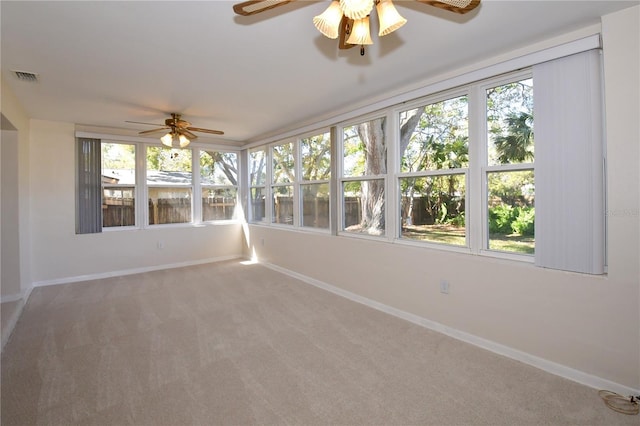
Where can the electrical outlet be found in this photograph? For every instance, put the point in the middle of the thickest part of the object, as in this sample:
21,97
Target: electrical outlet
160,245
444,286
262,242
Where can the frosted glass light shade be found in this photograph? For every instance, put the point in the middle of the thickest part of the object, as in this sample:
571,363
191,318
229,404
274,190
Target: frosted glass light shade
173,140
167,140
328,23
390,19
356,9
360,33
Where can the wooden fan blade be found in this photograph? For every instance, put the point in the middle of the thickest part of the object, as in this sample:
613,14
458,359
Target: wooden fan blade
346,25
252,7
188,134
458,6
213,132
140,122
160,129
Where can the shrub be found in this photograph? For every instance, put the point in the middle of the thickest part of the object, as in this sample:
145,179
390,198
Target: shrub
500,218
524,222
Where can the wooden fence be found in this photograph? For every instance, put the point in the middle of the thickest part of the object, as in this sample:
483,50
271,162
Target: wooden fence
121,211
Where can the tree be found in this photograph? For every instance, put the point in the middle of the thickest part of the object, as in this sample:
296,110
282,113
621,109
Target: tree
516,146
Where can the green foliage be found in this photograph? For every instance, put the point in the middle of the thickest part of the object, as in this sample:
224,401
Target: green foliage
505,219
524,222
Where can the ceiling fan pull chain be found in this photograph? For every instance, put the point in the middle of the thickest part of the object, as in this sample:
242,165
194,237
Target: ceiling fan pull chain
362,50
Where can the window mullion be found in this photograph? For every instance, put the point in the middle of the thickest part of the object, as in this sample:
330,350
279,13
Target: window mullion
142,192
476,181
196,198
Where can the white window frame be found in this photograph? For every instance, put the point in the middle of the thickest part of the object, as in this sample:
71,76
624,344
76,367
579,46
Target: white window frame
205,186
398,174
341,179
300,182
136,189
482,162
265,188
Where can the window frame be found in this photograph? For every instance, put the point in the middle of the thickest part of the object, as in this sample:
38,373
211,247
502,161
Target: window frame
398,174
206,186
485,169
341,179
136,189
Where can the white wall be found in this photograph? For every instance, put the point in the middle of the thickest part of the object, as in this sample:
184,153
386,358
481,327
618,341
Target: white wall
59,254
10,259
586,323
18,281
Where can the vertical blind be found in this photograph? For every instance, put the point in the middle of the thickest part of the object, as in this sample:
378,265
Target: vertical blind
89,181
569,178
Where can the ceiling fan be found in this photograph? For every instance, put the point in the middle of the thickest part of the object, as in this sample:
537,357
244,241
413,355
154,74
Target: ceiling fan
178,131
348,20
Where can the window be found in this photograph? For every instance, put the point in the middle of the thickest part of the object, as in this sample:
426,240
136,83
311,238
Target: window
315,164
257,178
463,165
509,169
282,179
434,159
219,184
364,169
169,184
118,167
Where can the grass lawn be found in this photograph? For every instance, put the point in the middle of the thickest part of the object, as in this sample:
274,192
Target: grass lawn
447,234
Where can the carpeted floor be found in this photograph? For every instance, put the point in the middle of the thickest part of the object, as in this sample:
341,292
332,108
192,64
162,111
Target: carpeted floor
233,344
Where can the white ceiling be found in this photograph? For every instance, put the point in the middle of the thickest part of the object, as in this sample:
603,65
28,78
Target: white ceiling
102,63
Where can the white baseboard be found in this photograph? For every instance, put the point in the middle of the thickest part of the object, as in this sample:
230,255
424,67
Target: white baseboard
11,322
541,363
132,271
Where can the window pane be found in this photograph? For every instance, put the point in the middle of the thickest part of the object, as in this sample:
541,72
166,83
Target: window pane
315,153
511,211
257,168
169,205
435,136
363,211
315,205
218,203
118,168
118,206
365,149
168,166
510,123
257,204
283,167
433,208
282,204
218,168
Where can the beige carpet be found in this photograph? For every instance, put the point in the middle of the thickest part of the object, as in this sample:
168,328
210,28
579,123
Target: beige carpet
233,344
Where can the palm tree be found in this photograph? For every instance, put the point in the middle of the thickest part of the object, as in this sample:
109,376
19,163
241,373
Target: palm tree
517,145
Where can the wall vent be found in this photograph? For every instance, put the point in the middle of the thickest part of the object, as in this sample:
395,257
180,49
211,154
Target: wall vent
26,76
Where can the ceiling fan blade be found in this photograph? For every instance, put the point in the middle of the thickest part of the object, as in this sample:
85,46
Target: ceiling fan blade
213,132
458,6
252,7
161,129
346,25
187,133
140,122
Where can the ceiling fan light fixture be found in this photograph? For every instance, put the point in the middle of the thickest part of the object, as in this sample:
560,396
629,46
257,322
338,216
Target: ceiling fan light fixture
389,18
356,9
174,140
328,23
360,33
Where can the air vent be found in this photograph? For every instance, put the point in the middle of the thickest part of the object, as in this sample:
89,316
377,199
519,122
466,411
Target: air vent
26,76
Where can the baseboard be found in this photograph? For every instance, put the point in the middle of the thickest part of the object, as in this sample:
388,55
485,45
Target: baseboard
132,271
7,328
541,363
